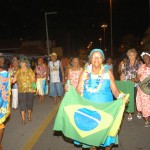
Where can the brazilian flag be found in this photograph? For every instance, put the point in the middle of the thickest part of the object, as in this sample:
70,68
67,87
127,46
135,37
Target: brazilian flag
87,122
127,87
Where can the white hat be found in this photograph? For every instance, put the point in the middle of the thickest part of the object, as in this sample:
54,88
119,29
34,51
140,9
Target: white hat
145,53
53,54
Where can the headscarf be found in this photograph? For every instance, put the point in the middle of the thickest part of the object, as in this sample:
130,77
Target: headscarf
97,50
26,60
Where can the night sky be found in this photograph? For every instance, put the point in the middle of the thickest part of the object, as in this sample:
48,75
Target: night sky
78,21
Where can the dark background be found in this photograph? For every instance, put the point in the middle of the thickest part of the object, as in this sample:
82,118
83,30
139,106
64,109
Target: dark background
78,21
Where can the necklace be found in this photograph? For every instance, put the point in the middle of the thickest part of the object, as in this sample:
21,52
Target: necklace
24,73
88,82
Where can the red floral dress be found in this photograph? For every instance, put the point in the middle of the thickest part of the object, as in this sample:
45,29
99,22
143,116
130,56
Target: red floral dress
74,77
42,88
142,99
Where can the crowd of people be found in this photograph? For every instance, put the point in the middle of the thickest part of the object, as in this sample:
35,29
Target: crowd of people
92,78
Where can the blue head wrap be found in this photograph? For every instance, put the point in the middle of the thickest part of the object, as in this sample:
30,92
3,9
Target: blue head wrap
97,50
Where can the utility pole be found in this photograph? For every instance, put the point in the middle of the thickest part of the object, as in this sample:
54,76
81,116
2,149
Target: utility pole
47,36
111,38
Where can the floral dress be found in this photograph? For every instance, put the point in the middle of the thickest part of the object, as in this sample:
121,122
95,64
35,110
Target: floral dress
42,87
130,72
142,99
74,77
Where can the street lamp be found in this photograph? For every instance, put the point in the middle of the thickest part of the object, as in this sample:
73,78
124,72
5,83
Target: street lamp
104,26
47,42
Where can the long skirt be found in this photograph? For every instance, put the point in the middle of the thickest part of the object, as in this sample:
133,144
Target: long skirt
143,103
14,98
42,87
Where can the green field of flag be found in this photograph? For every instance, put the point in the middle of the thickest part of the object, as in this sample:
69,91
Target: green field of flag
87,122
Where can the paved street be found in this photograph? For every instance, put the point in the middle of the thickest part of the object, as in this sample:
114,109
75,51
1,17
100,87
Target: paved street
39,135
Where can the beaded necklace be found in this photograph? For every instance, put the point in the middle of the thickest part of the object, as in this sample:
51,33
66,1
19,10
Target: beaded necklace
88,82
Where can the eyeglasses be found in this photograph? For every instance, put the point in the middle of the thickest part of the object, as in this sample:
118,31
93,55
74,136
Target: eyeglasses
14,60
96,57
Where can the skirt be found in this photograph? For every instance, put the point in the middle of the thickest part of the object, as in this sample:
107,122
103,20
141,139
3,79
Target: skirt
42,87
14,98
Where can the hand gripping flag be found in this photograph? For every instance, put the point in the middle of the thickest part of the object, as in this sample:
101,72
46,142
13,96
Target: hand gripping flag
87,122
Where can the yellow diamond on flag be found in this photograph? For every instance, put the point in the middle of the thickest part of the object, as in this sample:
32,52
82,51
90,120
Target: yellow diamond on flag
87,120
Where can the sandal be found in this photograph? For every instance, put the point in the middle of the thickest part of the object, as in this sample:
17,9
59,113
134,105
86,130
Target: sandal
130,118
139,116
1,148
23,122
29,120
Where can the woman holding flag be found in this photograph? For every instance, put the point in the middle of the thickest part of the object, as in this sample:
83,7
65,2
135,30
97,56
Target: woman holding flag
97,86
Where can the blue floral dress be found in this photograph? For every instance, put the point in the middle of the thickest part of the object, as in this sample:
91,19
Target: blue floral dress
96,88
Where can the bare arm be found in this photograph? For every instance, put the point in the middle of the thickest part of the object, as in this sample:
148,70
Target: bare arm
62,71
80,82
32,76
47,74
122,76
68,74
119,67
137,79
113,86
14,79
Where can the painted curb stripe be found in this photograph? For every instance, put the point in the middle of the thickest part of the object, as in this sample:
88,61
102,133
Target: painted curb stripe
36,135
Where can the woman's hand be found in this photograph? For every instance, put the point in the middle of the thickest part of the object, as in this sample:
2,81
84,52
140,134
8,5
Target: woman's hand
126,98
66,87
132,80
122,76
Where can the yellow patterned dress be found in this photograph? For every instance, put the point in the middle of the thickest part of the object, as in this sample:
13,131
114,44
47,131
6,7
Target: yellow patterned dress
24,80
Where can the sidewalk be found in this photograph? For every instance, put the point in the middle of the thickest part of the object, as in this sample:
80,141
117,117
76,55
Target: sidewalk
16,135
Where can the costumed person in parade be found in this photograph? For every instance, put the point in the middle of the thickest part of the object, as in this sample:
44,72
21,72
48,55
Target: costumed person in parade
41,74
74,72
96,87
25,78
56,77
122,64
143,92
129,74
12,70
109,63
4,97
